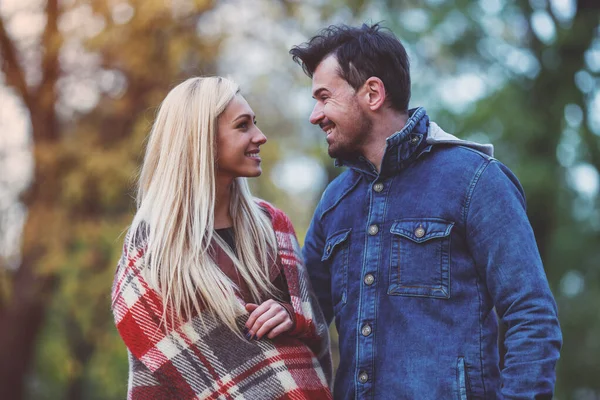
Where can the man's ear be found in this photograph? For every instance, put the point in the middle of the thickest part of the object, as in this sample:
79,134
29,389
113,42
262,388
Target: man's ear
374,93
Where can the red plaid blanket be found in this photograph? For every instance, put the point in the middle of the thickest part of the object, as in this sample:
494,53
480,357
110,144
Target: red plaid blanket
195,361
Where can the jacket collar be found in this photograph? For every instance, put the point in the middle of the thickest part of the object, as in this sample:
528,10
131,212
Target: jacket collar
418,136
401,147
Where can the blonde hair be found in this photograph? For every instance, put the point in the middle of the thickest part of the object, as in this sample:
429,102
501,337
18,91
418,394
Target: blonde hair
176,203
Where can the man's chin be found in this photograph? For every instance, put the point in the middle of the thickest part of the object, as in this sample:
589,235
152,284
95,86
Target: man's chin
334,150
340,153
334,153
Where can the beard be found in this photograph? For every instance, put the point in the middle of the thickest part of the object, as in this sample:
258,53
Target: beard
349,144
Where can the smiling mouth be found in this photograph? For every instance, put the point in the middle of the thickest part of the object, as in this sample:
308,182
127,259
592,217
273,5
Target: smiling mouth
328,129
253,154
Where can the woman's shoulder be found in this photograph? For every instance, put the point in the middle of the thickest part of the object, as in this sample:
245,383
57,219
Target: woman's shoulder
136,239
281,222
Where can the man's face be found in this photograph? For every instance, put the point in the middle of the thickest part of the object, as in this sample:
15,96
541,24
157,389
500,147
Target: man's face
338,111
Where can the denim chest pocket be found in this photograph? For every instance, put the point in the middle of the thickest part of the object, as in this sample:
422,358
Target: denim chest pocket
335,256
420,258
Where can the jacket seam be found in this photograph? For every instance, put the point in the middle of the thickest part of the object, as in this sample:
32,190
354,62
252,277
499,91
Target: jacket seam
483,155
481,353
472,187
469,197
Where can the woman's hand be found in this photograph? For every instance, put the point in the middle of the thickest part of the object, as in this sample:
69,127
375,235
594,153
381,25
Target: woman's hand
270,319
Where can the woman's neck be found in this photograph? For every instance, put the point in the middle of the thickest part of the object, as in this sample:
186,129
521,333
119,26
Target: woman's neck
222,200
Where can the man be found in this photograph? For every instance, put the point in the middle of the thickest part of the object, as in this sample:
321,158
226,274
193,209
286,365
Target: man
415,244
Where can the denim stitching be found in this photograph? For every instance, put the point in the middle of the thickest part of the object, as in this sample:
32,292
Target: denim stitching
337,201
472,187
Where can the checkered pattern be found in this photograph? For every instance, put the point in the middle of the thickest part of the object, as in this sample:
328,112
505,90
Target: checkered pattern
193,360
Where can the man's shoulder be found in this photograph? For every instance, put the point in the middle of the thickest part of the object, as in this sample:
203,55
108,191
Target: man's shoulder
455,160
466,164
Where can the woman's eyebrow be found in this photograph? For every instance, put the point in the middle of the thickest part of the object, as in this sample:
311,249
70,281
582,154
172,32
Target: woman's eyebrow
251,116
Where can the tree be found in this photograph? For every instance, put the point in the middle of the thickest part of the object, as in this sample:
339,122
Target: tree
83,163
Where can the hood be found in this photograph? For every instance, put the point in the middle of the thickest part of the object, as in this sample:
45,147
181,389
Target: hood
437,135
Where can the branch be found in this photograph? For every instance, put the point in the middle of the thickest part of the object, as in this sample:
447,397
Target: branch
3,286
51,42
11,68
592,145
45,123
588,5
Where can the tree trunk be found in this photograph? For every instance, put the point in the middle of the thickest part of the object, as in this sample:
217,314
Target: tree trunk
21,321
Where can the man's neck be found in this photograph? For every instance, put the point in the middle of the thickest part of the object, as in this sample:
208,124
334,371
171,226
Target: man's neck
384,125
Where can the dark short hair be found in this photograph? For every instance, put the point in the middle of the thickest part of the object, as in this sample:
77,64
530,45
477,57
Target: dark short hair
361,53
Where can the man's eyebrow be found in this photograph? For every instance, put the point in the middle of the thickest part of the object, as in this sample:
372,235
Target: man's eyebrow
251,116
317,92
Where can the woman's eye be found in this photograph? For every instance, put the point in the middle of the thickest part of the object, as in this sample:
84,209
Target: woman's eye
243,125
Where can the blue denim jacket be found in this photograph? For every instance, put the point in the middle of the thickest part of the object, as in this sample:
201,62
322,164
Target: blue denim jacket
411,262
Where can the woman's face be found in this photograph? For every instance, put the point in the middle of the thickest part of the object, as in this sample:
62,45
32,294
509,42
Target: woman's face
238,141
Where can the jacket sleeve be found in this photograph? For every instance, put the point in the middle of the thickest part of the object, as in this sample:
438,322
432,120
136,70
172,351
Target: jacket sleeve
320,275
503,245
137,310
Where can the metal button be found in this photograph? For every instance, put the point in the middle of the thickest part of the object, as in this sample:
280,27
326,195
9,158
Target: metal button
369,279
366,330
420,232
378,187
373,229
363,377
328,248
414,140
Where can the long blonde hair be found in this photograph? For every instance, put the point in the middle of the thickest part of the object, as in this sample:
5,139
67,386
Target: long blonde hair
176,203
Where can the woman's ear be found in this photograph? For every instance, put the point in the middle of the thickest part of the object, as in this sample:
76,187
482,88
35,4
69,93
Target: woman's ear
374,94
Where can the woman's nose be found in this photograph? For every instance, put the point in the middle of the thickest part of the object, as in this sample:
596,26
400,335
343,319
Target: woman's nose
259,138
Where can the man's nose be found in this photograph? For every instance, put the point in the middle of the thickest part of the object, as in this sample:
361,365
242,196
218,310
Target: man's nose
317,114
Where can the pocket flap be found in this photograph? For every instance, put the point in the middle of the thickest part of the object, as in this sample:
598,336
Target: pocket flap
334,240
422,229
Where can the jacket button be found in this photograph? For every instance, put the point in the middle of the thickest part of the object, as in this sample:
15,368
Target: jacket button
420,232
328,248
414,140
366,330
369,279
363,377
378,187
373,229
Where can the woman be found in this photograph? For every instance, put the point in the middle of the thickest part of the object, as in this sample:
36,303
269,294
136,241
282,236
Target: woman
210,296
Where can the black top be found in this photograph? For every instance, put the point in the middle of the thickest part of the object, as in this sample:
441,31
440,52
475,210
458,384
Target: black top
228,236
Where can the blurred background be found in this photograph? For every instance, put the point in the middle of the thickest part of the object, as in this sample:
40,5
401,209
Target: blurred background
79,85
